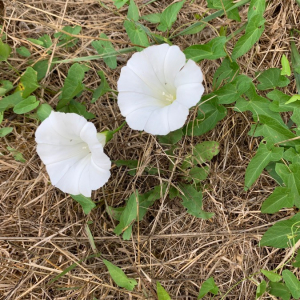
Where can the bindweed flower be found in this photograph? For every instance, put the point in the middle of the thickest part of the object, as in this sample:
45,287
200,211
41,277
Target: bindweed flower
157,87
72,151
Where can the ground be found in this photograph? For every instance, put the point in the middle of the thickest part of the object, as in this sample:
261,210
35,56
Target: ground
43,231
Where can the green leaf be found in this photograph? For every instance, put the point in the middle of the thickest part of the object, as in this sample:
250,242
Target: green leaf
136,34
208,286
172,138
294,98
133,11
212,50
35,41
152,18
272,78
261,288
279,290
225,73
286,69
296,263
205,151
169,16
264,155
129,214
270,168
120,3
161,292
41,67
280,198
26,105
18,156
5,51
85,202
256,8
279,103
272,276
46,40
5,131
106,47
209,114
28,82
5,87
192,201
197,174
225,4
119,276
296,64
44,111
292,283
283,234
131,164
73,84
10,101
67,40
23,51
77,108
115,212
252,34
101,89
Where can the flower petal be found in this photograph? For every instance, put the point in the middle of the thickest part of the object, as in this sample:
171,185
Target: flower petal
174,61
189,94
177,115
158,122
130,101
190,73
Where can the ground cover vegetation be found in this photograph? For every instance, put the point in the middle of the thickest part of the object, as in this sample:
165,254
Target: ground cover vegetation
209,210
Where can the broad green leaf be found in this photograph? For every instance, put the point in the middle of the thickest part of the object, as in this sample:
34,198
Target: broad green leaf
136,34
129,214
294,182
270,168
294,98
131,164
169,16
23,51
192,201
120,3
261,288
252,34
5,51
65,39
35,41
256,8
28,82
209,114
272,276
5,131
296,263
161,292
106,47
44,111
133,11
279,290
205,151
10,101
86,203
119,276
292,283
73,85
5,87
225,4
208,286
225,73
286,69
1,117
101,89
197,174
232,91
115,212
212,50
283,234
279,103
264,155
296,64
18,156
46,40
172,138
41,67
26,105
77,108
280,198
272,78
152,18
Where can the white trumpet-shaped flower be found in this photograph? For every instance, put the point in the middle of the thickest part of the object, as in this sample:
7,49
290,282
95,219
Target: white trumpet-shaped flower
73,153
157,87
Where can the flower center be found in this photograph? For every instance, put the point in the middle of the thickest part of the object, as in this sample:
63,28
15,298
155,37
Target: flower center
168,97
85,147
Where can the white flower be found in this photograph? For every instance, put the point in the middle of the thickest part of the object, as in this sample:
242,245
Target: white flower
73,154
157,87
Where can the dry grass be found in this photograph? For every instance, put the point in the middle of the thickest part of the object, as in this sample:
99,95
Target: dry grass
42,231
